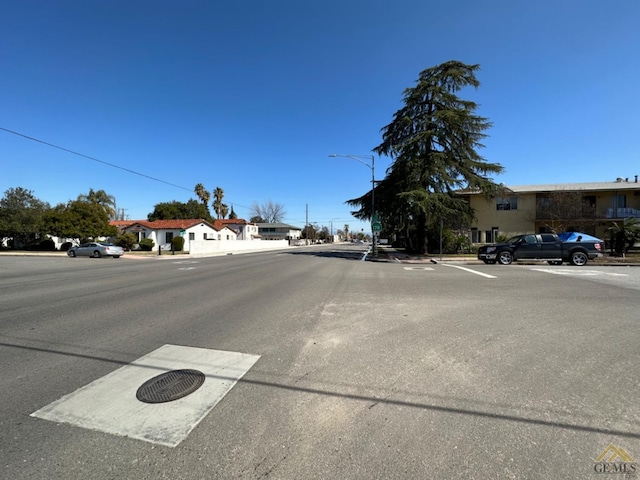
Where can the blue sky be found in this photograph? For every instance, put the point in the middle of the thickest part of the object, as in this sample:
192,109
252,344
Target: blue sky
252,96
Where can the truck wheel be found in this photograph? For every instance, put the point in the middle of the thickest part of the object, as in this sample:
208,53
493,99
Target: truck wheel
505,257
579,259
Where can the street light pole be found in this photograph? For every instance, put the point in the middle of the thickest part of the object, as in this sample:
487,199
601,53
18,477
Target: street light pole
359,158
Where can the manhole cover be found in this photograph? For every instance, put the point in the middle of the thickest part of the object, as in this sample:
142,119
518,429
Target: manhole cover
170,386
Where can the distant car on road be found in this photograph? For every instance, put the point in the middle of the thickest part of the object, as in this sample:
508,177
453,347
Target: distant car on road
96,250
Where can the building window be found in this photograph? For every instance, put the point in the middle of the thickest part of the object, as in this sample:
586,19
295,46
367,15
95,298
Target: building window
507,203
168,237
192,236
228,237
475,235
619,201
204,235
219,237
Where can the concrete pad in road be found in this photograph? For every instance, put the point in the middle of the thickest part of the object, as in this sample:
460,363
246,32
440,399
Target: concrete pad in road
109,404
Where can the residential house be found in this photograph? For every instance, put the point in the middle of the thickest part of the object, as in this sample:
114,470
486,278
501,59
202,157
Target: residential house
587,207
278,231
244,230
163,231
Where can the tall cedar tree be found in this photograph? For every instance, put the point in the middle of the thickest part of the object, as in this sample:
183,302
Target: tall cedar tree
432,141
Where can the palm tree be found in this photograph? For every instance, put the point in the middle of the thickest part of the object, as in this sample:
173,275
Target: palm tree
202,193
218,206
102,198
624,235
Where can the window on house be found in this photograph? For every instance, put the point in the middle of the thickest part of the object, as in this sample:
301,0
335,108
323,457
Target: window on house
494,234
619,201
228,237
192,236
219,237
475,235
168,237
488,235
507,203
204,235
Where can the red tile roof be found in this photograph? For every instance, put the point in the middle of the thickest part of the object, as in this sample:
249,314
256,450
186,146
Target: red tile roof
179,224
164,224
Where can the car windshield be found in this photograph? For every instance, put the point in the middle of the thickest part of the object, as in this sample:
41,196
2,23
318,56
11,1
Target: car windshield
107,244
515,239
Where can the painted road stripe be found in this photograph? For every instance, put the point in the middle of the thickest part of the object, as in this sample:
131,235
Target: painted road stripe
468,270
418,268
578,273
109,404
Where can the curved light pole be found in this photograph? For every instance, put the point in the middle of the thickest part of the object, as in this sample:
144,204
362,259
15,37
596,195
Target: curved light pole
360,158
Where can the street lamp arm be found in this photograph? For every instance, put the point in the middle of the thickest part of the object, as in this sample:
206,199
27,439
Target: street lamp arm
357,158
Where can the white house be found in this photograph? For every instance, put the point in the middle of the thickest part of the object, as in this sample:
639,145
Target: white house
245,230
163,231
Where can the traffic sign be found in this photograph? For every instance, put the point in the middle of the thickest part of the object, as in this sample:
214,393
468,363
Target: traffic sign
376,226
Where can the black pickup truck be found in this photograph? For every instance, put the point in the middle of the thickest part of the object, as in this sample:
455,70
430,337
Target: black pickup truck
572,247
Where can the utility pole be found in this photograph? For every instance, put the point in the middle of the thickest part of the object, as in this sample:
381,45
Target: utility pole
306,225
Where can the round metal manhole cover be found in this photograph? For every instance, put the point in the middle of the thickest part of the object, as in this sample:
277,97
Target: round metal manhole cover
170,386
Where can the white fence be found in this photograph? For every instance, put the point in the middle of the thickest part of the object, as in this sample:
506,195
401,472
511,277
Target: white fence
205,247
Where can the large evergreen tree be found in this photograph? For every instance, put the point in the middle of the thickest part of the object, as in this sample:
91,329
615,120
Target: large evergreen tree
432,141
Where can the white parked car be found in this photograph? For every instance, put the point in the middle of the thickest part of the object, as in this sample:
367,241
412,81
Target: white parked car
96,250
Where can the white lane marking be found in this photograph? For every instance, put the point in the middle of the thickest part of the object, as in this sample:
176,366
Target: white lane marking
578,273
109,404
187,268
418,268
468,270
186,262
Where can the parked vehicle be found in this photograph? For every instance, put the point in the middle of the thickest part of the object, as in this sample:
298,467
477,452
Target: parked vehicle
573,247
96,250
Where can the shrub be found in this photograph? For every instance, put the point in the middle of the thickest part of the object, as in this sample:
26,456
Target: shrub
177,243
147,244
127,241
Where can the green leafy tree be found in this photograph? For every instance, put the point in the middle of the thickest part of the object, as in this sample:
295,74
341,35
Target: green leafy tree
432,141
79,219
178,210
100,197
21,216
232,214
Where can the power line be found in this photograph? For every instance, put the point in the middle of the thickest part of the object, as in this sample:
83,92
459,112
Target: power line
103,162
93,158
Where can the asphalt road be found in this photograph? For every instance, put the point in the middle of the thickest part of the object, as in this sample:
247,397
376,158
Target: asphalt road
362,369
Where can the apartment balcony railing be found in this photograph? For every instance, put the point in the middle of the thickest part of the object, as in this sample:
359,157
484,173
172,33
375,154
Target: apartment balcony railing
545,214
623,213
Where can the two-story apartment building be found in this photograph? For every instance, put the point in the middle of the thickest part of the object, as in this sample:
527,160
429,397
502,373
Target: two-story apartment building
279,231
587,207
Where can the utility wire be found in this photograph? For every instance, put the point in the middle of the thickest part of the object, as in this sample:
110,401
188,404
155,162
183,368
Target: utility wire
94,159
103,162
